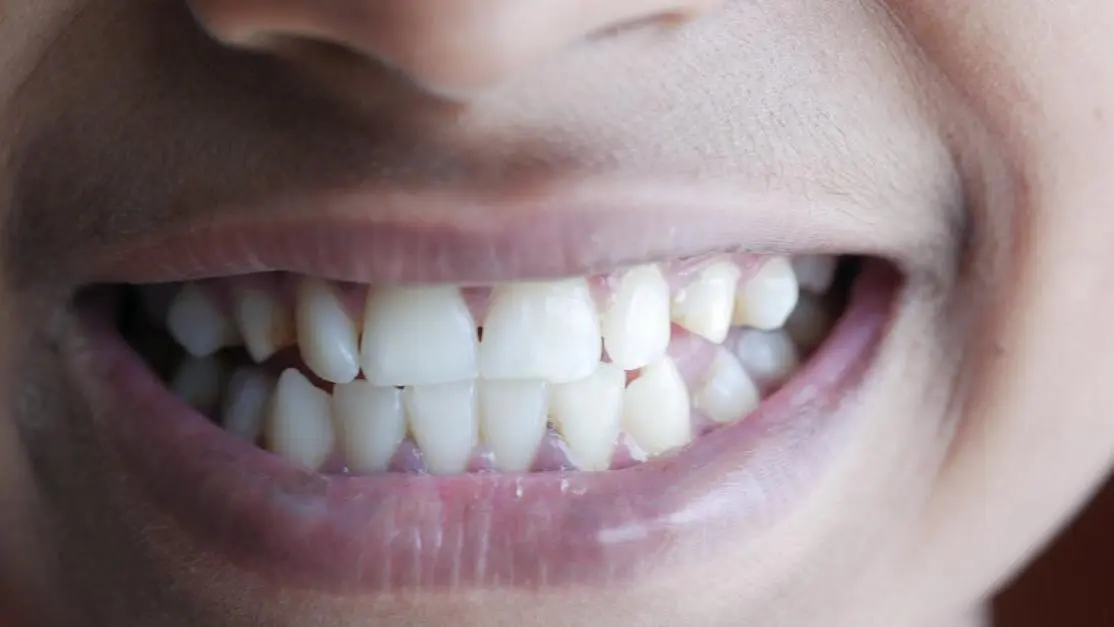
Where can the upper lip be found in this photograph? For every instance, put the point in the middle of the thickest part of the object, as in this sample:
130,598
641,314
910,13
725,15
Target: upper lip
389,236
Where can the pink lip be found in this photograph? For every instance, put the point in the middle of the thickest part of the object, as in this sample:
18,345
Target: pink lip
394,532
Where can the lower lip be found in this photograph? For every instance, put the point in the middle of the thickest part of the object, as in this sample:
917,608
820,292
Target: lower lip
366,534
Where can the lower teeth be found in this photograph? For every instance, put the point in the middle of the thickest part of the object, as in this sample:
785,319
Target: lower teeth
605,417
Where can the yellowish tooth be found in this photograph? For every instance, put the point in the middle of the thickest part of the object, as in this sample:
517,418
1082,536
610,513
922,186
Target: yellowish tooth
636,325
547,331
444,421
587,414
371,424
327,336
266,326
298,425
512,421
727,393
197,324
766,299
656,409
704,306
418,336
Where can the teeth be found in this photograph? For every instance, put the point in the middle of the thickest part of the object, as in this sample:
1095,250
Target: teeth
544,330
767,298
704,307
371,424
196,323
809,324
768,356
815,273
587,414
656,409
513,417
197,382
444,423
245,403
727,393
636,327
265,324
418,336
298,426
327,336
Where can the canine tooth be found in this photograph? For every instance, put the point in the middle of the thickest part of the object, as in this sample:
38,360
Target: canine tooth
444,423
767,298
727,393
635,326
809,323
656,409
327,336
587,414
541,330
198,382
245,403
371,424
196,324
265,324
298,426
768,356
512,421
418,336
704,306
815,273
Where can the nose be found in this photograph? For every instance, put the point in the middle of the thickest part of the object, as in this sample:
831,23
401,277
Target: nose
446,46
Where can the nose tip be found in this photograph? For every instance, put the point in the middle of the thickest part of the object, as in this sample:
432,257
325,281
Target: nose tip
445,46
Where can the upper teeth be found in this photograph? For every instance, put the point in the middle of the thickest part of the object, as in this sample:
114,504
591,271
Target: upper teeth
548,351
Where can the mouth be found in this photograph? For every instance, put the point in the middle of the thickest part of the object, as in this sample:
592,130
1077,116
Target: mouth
572,431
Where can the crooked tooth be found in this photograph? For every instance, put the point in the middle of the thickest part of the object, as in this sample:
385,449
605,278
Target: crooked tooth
198,383
327,336
512,421
197,324
768,356
635,326
444,423
298,426
815,273
541,330
656,409
371,424
726,393
766,299
809,323
245,403
704,306
265,324
587,414
418,336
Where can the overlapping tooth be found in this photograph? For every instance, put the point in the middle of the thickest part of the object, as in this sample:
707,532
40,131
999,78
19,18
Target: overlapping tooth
726,392
815,273
444,421
636,325
198,383
197,324
418,336
809,323
766,299
298,425
656,409
512,421
265,324
587,413
327,335
768,356
370,422
547,331
245,403
704,306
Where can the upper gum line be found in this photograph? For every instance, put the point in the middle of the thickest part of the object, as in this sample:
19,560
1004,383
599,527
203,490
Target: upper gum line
704,304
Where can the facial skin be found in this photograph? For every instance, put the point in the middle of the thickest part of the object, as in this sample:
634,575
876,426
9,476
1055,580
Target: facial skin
970,139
